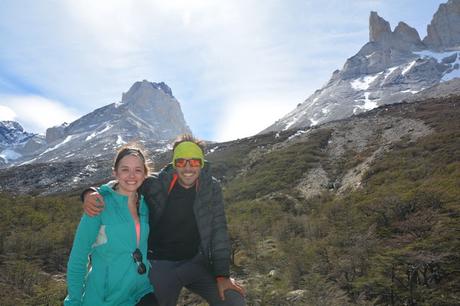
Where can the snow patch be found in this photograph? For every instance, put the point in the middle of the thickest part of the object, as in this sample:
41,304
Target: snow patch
370,55
314,122
390,71
87,170
411,91
94,134
28,162
439,56
368,103
9,154
166,148
90,168
67,139
455,73
298,133
436,55
363,83
451,75
291,122
214,149
408,68
120,141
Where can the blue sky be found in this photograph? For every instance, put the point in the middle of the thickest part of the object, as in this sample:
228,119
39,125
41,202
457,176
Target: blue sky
235,66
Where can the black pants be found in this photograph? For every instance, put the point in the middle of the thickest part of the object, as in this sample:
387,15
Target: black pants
168,278
148,300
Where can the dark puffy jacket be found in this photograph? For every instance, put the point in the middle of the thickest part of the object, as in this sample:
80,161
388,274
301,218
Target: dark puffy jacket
209,213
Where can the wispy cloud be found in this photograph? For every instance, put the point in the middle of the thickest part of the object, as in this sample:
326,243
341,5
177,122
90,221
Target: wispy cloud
6,113
35,113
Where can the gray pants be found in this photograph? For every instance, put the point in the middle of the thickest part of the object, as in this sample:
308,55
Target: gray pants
168,278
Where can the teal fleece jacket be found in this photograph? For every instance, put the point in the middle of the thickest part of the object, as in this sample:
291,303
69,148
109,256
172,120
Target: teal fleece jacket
109,239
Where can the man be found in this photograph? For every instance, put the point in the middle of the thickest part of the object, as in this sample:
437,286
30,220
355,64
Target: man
188,241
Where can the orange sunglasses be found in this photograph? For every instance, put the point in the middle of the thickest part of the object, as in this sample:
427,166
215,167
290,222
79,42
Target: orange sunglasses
182,162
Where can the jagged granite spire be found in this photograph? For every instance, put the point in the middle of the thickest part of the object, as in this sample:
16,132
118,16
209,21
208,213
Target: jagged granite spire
379,28
444,29
403,37
144,87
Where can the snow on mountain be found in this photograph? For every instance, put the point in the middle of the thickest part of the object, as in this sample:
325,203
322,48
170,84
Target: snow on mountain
448,57
9,155
15,142
12,133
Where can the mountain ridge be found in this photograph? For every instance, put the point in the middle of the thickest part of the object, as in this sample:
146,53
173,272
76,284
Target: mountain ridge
390,68
379,129
147,113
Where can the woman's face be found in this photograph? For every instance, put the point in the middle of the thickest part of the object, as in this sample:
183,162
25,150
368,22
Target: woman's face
130,174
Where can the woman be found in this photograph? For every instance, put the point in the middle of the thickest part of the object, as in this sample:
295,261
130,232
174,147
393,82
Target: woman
115,242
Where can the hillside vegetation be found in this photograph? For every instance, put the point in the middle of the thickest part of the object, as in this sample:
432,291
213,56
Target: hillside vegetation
36,235
392,240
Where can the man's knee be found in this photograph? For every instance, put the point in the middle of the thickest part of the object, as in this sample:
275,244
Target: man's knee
234,298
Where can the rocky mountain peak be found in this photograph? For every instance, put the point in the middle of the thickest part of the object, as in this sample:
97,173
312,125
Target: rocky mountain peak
11,132
148,113
444,29
379,28
403,37
11,125
404,32
141,90
392,67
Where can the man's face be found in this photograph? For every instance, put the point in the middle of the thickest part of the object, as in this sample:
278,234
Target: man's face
188,175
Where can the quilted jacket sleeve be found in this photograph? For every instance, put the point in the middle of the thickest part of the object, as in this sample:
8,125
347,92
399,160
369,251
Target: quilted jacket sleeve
220,242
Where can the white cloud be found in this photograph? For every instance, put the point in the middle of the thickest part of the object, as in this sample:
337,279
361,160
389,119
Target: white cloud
36,113
6,113
249,116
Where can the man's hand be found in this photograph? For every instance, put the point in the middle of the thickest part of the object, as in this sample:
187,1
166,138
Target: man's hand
226,283
93,203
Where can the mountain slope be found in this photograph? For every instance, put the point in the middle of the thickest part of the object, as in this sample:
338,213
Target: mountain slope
361,211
